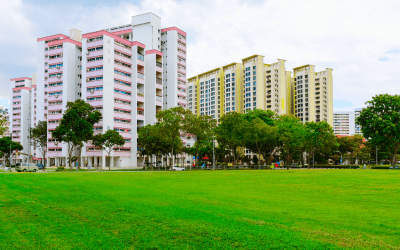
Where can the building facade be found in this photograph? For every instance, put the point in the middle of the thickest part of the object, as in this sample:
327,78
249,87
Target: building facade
252,84
119,71
344,122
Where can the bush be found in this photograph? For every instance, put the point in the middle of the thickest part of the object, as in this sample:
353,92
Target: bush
334,166
59,169
380,166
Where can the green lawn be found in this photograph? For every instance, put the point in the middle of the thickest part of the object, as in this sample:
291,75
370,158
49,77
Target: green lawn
302,209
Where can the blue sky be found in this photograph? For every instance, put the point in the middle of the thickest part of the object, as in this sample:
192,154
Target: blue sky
358,39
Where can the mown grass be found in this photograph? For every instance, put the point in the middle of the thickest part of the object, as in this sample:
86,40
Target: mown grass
301,209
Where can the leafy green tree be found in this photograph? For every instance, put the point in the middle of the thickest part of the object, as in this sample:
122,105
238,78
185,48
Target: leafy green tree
5,143
267,116
202,128
260,137
291,137
3,120
108,141
76,126
173,122
380,122
38,136
230,132
318,135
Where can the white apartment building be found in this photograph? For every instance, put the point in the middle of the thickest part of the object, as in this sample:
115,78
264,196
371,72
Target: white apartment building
344,122
119,71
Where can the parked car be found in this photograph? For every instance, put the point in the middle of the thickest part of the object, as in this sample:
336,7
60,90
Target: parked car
176,168
40,166
294,165
25,167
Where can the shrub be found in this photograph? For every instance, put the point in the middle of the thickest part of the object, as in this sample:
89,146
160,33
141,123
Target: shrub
59,169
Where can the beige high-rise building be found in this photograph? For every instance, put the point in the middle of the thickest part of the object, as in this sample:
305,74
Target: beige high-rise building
252,84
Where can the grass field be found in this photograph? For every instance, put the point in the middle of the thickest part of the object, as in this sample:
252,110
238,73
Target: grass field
302,209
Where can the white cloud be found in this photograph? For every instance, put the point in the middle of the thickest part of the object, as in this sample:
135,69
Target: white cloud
348,36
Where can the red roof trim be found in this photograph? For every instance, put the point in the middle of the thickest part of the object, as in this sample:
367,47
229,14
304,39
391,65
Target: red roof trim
154,51
21,78
52,37
117,38
174,28
14,89
67,40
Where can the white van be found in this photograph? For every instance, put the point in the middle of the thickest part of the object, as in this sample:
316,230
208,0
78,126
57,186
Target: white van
25,167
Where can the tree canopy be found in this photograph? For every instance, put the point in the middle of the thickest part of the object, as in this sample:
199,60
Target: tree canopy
76,126
380,122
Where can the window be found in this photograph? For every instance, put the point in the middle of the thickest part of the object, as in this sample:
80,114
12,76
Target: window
122,92
95,59
95,88
96,48
95,68
97,98
122,73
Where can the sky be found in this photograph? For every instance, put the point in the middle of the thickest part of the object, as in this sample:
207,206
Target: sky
359,39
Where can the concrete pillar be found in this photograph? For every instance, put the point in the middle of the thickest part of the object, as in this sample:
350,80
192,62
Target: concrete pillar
48,162
111,161
89,159
103,162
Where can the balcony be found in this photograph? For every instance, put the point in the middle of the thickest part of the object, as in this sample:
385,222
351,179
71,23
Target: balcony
159,98
140,75
158,80
158,64
140,57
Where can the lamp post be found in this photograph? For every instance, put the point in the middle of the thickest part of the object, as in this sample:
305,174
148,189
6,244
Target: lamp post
29,145
213,154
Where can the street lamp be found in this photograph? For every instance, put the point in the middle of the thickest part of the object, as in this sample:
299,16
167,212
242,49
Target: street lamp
29,145
213,154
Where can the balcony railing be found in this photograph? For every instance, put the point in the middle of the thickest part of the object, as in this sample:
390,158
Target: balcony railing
159,81
140,75
159,98
159,64
140,57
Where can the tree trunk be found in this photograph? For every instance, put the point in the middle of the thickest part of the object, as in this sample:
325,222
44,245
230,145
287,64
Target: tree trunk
394,156
172,155
308,160
79,158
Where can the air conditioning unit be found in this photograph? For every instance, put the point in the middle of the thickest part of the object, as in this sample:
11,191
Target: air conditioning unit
56,96
87,53
92,91
87,80
87,70
58,67
58,77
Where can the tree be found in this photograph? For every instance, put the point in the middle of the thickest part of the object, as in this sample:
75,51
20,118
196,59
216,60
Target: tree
108,141
3,120
230,132
260,137
380,122
267,116
76,126
173,122
202,128
291,137
318,135
38,136
5,143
